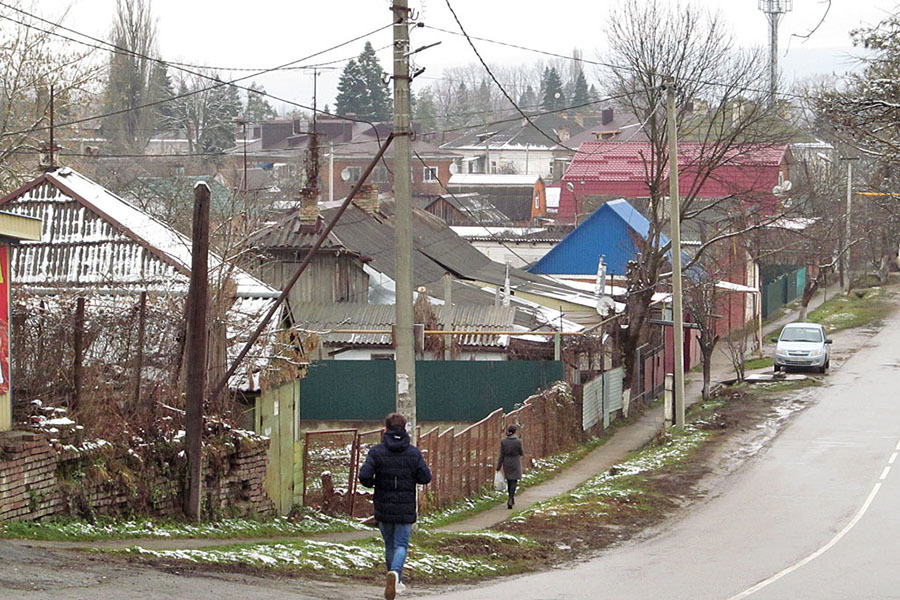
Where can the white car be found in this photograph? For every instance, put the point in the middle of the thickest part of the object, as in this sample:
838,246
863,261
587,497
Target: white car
802,345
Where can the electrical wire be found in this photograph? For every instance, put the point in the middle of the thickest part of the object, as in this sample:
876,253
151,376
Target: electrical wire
219,82
610,65
466,208
497,83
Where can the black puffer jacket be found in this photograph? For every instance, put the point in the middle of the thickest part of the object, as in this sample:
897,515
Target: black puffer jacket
393,468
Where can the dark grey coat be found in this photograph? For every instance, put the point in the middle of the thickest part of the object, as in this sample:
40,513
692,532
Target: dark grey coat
511,457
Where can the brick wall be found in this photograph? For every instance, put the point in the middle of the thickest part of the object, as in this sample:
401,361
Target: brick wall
40,479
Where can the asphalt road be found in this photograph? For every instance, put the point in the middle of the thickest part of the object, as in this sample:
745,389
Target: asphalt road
814,515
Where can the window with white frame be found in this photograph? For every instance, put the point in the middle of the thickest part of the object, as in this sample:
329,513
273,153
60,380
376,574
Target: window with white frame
429,174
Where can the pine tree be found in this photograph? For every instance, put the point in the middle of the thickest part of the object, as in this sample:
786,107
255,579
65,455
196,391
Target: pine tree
528,99
258,108
351,95
425,111
378,98
462,106
553,97
361,90
581,95
483,101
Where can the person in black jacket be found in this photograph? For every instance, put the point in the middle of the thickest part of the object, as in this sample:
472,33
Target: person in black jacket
511,462
393,468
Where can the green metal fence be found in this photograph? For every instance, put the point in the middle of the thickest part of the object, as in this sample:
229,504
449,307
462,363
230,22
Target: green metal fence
460,390
781,285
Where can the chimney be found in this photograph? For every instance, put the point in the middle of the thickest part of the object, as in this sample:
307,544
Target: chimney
309,208
606,116
367,199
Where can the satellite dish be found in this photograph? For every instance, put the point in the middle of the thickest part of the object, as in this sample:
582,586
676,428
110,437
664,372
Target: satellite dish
786,185
454,169
605,305
569,186
345,174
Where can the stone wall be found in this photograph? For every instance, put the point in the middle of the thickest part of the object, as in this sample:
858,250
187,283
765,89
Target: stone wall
40,478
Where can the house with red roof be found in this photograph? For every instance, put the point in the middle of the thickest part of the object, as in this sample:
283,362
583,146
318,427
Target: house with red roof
606,170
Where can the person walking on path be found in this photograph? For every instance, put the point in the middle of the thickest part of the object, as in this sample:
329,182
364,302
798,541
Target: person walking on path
393,468
511,462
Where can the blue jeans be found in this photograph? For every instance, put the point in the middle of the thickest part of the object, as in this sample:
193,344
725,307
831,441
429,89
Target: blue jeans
396,539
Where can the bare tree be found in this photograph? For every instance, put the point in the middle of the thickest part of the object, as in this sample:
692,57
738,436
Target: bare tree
648,43
864,113
31,62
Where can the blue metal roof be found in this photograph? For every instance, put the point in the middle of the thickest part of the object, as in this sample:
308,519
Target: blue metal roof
609,232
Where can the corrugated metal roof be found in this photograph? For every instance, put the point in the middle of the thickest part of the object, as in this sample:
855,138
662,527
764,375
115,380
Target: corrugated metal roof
324,318
91,237
498,179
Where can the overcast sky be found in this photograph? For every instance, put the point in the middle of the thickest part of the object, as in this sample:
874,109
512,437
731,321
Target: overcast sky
269,33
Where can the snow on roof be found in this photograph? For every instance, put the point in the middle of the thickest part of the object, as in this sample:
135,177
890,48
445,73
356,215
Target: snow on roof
553,192
493,179
479,231
796,224
175,245
736,287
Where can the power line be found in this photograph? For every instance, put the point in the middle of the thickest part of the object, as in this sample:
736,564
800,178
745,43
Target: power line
497,83
160,61
611,66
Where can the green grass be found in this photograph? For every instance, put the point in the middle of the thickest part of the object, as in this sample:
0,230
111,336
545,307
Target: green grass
431,556
543,469
625,483
758,363
845,312
788,385
311,522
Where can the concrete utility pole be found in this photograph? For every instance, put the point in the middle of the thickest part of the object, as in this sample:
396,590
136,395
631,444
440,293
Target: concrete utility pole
675,219
775,11
195,352
846,258
406,358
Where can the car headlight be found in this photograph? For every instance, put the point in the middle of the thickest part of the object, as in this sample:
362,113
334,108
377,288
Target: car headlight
781,353
816,353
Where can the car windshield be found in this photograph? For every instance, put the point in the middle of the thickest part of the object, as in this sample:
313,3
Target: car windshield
801,334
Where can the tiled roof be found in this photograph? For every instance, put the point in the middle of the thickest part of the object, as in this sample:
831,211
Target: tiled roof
623,168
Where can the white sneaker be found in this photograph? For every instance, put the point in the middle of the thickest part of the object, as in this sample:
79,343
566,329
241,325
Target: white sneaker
400,587
390,585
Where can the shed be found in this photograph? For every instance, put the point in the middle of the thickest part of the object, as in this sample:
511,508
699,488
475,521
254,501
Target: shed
513,195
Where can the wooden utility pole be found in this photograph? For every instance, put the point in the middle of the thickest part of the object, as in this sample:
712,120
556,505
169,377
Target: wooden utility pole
195,380
406,359
139,354
675,220
77,375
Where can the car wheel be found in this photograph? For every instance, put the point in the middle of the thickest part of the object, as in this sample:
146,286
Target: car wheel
823,368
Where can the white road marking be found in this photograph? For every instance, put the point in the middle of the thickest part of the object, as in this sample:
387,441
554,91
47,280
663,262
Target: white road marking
892,458
826,547
898,446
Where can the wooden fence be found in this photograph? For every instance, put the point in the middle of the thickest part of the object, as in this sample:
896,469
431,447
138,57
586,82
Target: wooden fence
462,463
